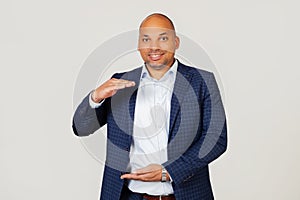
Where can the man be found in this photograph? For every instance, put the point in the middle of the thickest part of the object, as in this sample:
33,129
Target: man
165,123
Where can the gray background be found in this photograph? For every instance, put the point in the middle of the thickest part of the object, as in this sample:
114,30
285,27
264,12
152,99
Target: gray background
254,44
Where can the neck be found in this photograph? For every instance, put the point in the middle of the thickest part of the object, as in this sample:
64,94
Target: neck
157,74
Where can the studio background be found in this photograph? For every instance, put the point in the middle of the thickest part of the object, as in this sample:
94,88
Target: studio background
254,45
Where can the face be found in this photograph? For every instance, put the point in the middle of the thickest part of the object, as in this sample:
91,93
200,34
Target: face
157,45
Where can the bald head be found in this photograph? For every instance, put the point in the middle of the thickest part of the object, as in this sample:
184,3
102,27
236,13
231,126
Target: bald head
157,20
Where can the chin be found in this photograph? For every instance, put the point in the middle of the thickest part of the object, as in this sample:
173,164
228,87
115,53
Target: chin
156,66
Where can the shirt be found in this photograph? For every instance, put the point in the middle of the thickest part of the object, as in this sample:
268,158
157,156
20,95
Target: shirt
151,128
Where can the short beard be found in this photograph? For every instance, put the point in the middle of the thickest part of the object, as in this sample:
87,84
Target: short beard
156,67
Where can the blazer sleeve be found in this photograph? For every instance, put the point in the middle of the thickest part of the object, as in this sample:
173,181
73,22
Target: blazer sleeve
212,141
86,119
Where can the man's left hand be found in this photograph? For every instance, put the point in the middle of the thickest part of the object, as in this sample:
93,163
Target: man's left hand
151,173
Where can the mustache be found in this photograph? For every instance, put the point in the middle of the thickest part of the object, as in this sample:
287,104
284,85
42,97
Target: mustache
157,51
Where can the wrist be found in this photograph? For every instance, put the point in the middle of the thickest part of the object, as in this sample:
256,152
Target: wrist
95,98
164,175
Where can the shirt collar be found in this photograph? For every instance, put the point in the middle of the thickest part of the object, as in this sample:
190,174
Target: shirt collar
171,71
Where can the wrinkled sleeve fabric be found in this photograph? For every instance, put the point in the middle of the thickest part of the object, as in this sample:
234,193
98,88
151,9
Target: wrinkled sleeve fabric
89,117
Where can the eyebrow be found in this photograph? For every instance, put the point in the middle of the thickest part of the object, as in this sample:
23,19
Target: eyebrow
164,33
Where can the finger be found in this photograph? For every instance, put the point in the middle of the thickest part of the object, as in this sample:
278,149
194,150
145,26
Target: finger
142,177
133,176
143,171
123,81
115,87
148,169
130,84
121,86
126,83
130,176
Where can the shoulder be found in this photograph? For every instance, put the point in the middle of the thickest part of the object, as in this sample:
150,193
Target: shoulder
196,72
128,74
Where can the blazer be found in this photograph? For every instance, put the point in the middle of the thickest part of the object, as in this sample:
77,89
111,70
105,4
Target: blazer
197,132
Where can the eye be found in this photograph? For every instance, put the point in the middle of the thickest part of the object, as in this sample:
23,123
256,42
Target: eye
145,39
164,38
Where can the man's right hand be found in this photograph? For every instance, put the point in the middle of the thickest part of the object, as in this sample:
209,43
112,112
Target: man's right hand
109,88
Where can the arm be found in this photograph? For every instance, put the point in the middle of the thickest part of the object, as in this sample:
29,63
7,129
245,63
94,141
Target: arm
212,142
87,118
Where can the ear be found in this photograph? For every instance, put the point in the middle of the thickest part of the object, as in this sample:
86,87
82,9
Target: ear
177,42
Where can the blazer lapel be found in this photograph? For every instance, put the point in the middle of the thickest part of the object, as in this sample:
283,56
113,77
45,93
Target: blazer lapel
182,82
133,76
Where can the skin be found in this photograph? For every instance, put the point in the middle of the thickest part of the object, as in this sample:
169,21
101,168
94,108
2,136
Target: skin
157,44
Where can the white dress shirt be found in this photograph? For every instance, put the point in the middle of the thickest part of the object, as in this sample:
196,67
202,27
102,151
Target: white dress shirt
151,128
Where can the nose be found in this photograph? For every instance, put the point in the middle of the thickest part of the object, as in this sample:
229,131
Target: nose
154,45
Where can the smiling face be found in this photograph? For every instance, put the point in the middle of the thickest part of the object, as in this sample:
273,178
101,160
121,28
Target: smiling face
157,42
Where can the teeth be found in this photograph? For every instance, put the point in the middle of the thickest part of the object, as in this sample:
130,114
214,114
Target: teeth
155,56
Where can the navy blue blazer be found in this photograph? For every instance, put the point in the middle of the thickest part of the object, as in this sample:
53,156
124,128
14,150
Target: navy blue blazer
197,132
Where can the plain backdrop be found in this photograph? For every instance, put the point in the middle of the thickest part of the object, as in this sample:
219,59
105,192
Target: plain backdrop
254,45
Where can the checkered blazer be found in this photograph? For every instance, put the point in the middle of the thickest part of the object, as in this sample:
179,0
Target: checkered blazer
197,132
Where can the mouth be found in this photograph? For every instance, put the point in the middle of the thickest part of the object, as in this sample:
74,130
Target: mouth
155,56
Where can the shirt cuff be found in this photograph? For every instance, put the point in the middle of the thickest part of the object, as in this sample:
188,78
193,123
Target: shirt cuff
171,180
94,104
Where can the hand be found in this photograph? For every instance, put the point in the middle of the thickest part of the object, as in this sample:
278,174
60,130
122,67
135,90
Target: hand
109,88
150,173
